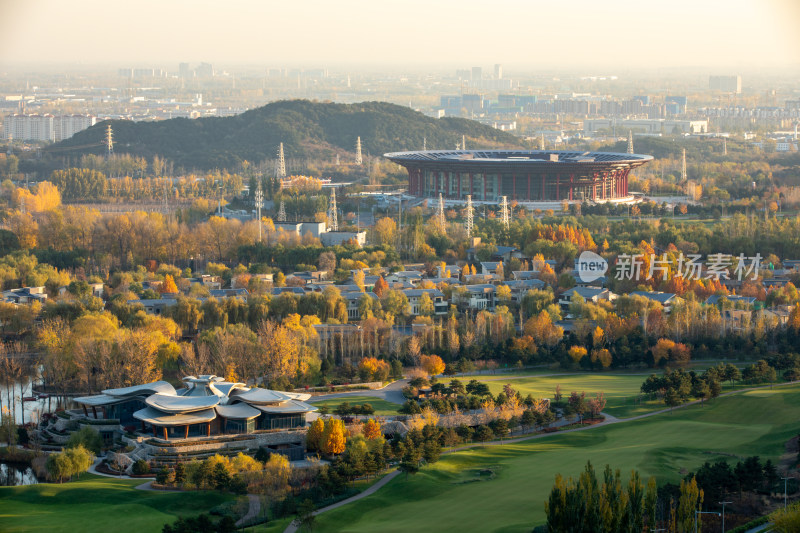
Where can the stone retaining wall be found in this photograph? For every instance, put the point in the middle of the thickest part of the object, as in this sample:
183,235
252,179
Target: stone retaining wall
257,440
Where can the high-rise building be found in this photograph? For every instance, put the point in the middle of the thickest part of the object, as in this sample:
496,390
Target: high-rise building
726,84
65,126
22,127
680,101
472,102
477,73
498,71
205,70
184,71
29,127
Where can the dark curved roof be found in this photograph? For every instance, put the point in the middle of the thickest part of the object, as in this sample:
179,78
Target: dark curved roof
542,159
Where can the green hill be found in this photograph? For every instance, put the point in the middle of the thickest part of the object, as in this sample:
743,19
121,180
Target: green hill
307,130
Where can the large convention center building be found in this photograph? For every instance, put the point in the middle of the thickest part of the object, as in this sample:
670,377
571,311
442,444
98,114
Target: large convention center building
521,175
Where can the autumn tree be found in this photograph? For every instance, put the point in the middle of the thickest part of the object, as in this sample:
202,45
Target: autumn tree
168,287
596,404
372,368
334,437
577,353
426,305
279,350
380,287
385,229
358,279
372,430
315,434
542,329
504,293
433,364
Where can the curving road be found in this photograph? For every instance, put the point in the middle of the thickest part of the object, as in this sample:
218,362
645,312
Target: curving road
391,393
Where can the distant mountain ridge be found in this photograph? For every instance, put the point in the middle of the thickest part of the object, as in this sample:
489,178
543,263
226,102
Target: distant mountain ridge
307,130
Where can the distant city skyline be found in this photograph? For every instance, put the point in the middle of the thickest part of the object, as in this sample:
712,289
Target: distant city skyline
722,35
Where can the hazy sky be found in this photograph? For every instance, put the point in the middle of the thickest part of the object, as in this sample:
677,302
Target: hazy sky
617,34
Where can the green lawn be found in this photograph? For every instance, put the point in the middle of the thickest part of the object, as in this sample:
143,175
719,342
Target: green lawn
451,495
621,390
381,406
97,504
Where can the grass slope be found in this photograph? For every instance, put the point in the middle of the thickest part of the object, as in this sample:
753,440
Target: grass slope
451,495
619,389
381,406
97,504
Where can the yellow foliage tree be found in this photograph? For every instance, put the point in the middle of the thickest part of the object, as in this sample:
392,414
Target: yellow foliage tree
43,198
169,286
602,355
385,229
358,279
598,337
503,293
314,435
333,438
577,353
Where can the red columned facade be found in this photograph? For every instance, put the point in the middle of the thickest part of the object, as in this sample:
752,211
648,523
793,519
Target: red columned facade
525,176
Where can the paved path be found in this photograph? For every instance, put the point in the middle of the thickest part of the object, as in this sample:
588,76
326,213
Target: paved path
255,508
292,528
391,393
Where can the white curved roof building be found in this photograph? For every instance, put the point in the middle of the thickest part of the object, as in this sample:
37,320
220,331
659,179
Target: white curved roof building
206,405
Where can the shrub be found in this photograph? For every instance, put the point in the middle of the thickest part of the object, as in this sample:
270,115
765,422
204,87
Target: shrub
88,438
140,467
483,433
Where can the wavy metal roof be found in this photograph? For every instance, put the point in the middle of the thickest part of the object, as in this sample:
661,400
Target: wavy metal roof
158,418
237,411
259,396
290,407
169,403
98,400
146,388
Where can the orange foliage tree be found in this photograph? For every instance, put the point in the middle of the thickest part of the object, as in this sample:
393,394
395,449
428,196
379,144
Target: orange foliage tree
432,364
372,430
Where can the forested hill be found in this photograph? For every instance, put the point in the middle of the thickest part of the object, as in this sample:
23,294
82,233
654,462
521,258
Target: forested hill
306,129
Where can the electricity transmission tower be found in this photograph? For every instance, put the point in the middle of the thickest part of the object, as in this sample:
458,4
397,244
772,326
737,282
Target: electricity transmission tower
282,212
683,166
259,205
333,218
470,213
440,214
359,160
504,213
280,165
109,141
